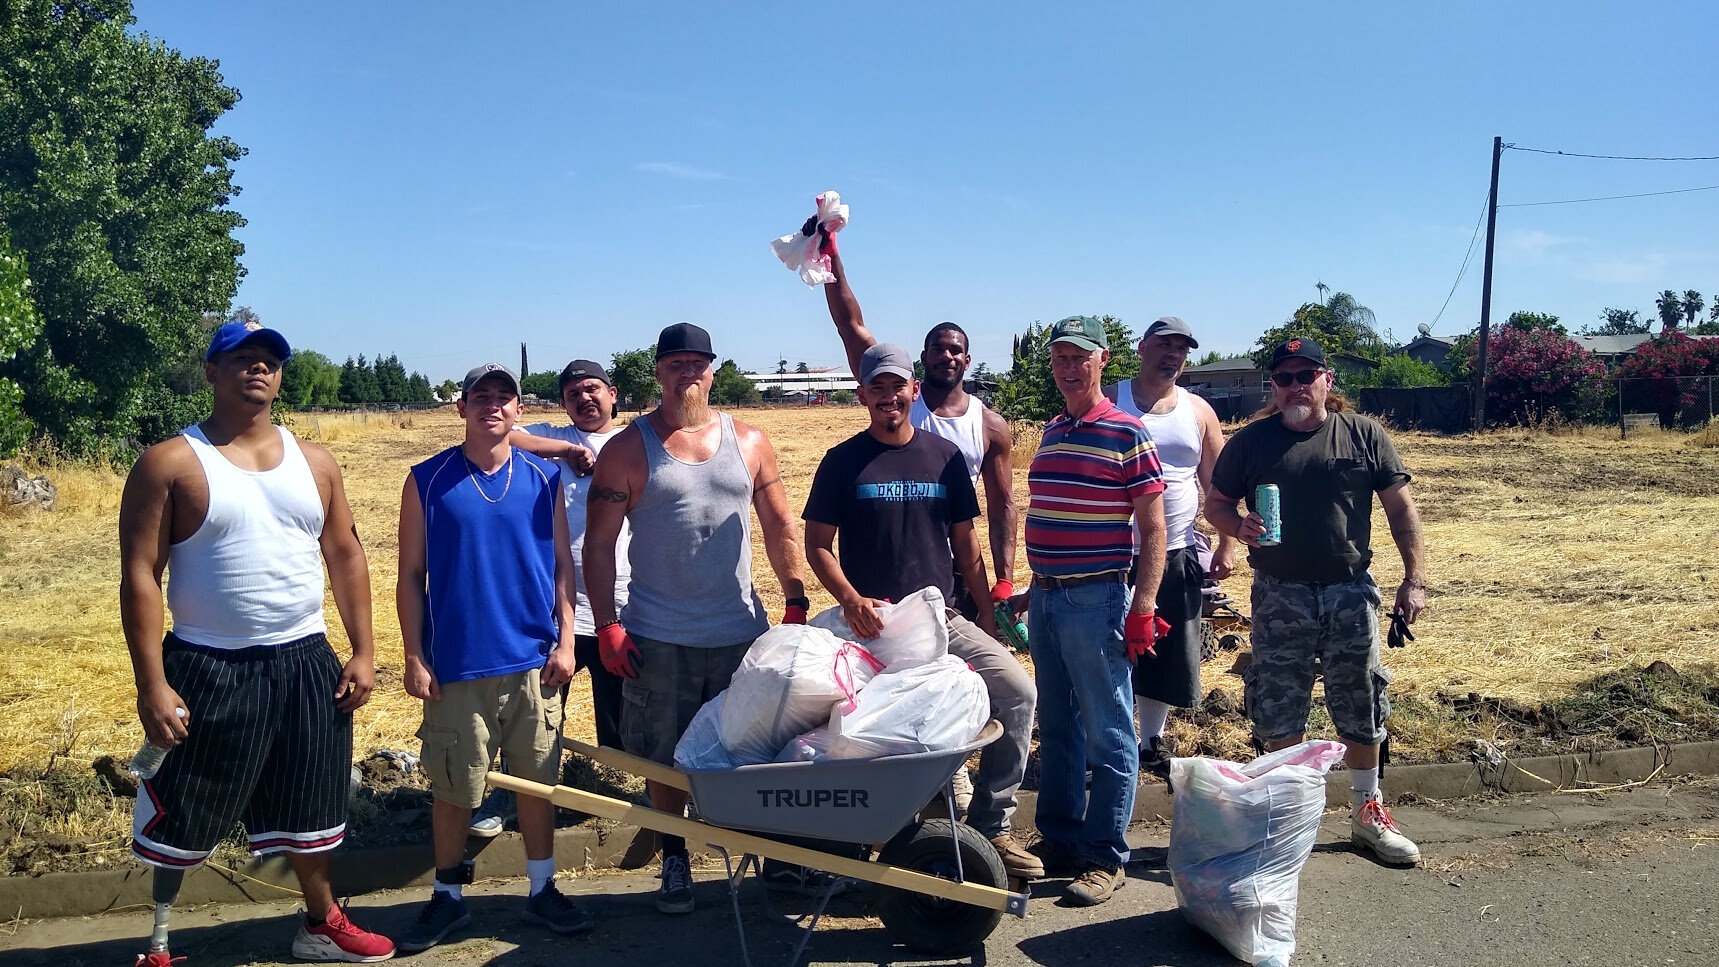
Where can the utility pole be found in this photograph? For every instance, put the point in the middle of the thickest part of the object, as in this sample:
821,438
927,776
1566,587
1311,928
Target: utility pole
1486,292
524,370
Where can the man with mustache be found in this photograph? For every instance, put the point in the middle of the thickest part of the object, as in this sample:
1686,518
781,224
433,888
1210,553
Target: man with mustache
485,599
1188,437
945,409
904,505
1313,597
687,480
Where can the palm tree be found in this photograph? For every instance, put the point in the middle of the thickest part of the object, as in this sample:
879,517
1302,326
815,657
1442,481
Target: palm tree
1670,308
1692,305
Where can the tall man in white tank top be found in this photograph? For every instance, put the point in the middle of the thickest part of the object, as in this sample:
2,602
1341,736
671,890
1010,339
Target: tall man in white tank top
686,480
245,691
945,409
1188,436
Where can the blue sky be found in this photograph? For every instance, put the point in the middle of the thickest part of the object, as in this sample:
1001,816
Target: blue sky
449,183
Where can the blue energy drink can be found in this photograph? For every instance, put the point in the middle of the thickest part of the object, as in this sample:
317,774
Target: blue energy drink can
1267,506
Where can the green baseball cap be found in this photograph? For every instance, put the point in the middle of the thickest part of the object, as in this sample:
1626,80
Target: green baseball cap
1084,331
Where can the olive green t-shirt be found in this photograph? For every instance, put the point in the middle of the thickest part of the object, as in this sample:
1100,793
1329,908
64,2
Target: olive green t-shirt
1326,479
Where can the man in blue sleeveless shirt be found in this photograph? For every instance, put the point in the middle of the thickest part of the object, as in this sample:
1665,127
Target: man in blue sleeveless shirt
686,479
485,598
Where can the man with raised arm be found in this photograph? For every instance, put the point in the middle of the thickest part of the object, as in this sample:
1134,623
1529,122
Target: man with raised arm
686,480
245,691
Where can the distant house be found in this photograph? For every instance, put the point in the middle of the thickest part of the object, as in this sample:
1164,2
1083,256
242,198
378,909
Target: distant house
1613,350
1226,374
817,381
1432,350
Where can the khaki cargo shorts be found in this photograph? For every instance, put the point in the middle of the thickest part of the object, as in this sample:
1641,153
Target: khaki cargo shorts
462,732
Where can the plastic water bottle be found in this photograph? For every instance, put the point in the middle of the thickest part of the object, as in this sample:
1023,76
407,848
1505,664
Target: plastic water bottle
147,762
1013,629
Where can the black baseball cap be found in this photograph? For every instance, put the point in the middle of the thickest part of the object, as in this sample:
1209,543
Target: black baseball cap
1299,347
580,369
1172,326
684,337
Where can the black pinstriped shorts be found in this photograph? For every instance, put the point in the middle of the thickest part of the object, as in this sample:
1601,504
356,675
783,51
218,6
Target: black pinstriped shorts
267,746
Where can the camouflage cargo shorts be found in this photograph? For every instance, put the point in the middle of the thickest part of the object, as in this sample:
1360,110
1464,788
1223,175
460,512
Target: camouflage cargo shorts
1295,623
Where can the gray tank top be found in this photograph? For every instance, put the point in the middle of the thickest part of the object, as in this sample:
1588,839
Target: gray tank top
691,552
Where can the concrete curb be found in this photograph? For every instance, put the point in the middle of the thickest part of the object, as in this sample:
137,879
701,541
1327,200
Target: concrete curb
628,847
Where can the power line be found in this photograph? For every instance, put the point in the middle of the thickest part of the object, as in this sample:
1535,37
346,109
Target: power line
1576,201
1608,157
1465,260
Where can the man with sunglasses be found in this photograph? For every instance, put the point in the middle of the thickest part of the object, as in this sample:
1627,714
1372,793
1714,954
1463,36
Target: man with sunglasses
1188,437
1313,598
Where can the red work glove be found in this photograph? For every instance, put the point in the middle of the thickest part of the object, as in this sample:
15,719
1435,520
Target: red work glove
793,614
1002,591
620,655
1142,632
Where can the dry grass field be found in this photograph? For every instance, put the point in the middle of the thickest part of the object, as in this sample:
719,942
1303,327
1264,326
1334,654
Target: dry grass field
1559,564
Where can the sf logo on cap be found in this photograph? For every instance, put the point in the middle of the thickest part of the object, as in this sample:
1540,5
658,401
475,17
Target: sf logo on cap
1295,345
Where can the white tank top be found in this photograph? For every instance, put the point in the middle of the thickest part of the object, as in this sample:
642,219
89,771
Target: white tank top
966,431
252,573
1177,436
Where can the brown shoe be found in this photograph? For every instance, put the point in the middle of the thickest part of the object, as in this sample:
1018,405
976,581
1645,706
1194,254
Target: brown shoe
1058,859
1095,885
1017,862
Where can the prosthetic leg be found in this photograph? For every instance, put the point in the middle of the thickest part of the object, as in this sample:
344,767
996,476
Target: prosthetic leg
164,891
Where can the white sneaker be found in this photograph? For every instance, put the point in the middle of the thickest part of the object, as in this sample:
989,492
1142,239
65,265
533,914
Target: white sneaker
963,790
1372,828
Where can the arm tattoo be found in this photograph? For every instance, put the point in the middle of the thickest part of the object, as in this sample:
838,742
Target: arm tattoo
766,485
609,494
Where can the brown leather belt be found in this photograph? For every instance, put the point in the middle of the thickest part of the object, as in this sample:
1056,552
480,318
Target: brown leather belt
1048,583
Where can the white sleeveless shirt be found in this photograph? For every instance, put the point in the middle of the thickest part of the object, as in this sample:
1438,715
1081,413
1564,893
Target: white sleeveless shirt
966,431
1177,437
252,573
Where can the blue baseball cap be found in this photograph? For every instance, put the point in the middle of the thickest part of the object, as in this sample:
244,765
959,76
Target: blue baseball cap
238,332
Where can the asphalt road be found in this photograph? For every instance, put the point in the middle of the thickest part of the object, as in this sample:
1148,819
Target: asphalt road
1615,879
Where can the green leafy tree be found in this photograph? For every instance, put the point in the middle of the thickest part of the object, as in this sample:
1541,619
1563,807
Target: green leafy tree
545,385
1398,371
634,374
418,389
1670,306
113,188
1029,393
358,382
1692,305
1340,325
1617,322
1530,321
308,375
20,324
391,380
730,387
802,368
1211,356
447,390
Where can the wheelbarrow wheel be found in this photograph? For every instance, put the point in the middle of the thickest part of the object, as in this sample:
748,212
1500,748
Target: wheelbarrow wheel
931,924
1208,641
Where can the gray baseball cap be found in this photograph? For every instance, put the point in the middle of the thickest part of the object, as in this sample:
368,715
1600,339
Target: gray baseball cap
1172,326
477,374
885,357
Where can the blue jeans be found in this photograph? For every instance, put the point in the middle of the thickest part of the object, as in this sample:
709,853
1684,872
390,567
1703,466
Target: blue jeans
1086,718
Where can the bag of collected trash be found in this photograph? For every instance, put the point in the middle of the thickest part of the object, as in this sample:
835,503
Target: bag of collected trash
1239,836
915,629
787,684
931,706
805,251
700,746
811,747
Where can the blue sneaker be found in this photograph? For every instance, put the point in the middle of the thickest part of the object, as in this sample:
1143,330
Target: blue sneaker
440,917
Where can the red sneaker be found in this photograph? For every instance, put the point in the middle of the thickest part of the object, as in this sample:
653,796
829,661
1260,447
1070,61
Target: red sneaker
158,958
339,939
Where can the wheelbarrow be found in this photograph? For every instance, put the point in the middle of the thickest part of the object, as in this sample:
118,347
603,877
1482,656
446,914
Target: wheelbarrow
943,888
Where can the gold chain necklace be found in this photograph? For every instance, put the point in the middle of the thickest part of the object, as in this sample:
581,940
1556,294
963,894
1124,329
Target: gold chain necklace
471,475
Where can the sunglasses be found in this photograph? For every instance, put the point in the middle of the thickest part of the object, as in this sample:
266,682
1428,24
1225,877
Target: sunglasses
1304,377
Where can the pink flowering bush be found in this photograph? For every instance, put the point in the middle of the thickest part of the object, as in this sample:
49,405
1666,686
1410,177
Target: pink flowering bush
1653,375
1535,373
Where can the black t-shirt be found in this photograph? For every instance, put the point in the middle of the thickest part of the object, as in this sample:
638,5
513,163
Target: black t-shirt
1326,479
893,508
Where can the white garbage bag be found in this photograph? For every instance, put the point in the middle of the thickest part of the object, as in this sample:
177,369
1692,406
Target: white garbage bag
1239,836
789,681
700,746
915,629
811,747
802,251
931,706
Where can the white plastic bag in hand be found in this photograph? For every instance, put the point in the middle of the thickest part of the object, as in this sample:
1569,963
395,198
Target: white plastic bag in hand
915,629
788,683
932,706
1239,836
803,253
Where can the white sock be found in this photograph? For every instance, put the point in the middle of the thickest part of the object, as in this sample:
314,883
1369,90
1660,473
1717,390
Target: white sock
455,890
540,872
1153,717
1363,785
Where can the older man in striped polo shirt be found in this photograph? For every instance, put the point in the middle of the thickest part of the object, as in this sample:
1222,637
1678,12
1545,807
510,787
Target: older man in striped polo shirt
1094,473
